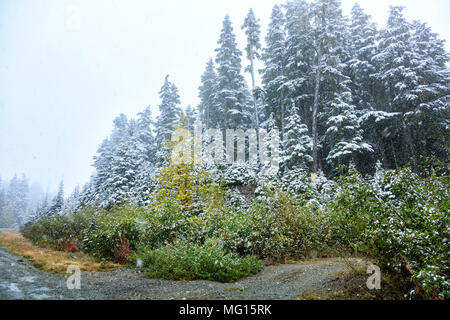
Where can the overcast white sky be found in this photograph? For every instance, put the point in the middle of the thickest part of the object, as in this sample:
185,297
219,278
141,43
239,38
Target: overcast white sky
61,86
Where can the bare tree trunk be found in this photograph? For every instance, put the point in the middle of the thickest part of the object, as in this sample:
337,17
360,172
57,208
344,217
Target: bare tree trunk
383,153
393,153
410,143
252,71
282,117
315,111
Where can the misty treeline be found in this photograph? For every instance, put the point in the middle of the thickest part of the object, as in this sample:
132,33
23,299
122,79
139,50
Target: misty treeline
339,89
20,200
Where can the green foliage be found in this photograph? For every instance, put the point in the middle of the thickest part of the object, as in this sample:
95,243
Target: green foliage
107,229
277,229
399,218
183,260
59,232
403,221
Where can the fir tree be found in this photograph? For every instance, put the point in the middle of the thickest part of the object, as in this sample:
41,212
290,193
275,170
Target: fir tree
430,96
231,90
169,112
208,107
253,48
2,204
397,75
167,119
363,37
273,74
190,115
297,144
300,54
57,202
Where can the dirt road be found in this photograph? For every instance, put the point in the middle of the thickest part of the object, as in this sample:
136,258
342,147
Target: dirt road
20,280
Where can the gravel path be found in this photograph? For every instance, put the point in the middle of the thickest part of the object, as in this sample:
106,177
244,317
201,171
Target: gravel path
20,280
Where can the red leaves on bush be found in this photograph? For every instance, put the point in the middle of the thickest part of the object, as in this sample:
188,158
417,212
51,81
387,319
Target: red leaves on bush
122,251
72,247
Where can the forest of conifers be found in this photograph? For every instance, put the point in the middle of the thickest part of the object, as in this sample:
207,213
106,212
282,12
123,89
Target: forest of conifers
363,118
339,89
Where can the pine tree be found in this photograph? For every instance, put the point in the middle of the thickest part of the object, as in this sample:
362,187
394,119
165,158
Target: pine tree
145,134
57,203
88,195
398,76
2,204
103,162
367,92
208,107
23,200
428,117
273,74
326,27
297,144
300,54
73,202
191,116
17,199
344,134
253,48
12,198
146,168
169,111
42,209
231,90
363,47
167,119
128,155
272,139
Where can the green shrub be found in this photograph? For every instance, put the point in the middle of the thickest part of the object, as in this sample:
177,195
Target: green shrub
106,230
399,218
403,221
60,231
182,260
277,228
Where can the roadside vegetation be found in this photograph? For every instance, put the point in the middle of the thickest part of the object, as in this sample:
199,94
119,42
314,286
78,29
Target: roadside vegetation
193,229
50,260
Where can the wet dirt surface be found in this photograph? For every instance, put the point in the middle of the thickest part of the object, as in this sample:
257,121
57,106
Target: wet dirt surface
20,280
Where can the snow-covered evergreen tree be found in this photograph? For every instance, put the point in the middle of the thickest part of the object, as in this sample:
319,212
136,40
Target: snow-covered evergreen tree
344,135
398,75
273,74
300,54
231,89
57,203
169,111
297,145
253,48
73,202
167,118
41,210
146,161
272,156
208,108
363,35
16,201
2,205
190,115
102,162
430,96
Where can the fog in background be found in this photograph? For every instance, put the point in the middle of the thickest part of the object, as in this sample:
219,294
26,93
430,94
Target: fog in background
62,84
